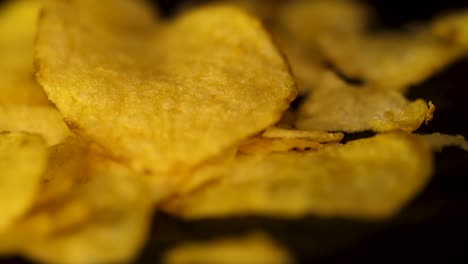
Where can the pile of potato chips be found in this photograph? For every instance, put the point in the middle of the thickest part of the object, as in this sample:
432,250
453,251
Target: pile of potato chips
108,113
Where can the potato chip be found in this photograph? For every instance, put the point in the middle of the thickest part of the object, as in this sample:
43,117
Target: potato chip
162,98
307,65
261,145
23,158
89,210
299,25
305,21
390,60
452,27
364,179
266,10
255,248
18,20
41,119
204,173
335,31
337,106
318,136
439,141
288,119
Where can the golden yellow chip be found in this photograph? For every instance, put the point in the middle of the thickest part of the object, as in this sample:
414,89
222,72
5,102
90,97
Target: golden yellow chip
390,60
18,21
317,136
365,179
162,98
439,141
204,173
266,10
23,159
261,145
41,119
89,210
452,27
255,248
337,106
299,25
306,21
306,64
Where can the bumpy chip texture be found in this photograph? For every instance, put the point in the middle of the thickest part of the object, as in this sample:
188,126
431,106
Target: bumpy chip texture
363,179
23,159
161,97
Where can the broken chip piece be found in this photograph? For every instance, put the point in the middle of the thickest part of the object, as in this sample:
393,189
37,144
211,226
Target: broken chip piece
364,179
23,159
337,106
439,141
152,95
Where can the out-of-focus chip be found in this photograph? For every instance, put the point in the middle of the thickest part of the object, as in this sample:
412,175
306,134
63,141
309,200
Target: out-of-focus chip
307,65
162,98
275,139
452,27
18,21
23,159
266,10
44,120
390,60
300,24
317,136
89,210
439,141
337,106
255,248
365,179
261,145
306,21
182,183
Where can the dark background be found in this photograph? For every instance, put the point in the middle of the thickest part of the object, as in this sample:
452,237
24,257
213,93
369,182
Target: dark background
431,228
